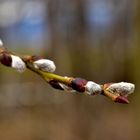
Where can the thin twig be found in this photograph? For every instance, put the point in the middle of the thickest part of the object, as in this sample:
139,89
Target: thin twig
117,92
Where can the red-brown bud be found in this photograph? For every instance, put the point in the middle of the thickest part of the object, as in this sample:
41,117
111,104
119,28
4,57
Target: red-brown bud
78,84
6,59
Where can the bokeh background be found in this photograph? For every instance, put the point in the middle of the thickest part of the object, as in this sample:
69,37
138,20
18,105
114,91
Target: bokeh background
94,39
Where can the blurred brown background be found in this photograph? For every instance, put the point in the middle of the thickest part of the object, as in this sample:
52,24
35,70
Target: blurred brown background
94,39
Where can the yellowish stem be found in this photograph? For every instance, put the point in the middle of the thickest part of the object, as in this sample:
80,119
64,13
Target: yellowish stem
49,76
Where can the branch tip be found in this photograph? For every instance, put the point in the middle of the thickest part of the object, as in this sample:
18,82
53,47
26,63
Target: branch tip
117,92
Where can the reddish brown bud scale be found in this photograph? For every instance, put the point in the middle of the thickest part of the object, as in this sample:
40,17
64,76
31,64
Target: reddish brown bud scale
2,50
122,99
107,85
35,58
78,84
6,59
31,59
55,85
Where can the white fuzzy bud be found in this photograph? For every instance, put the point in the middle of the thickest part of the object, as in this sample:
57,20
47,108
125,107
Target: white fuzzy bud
92,88
18,64
45,65
122,88
1,43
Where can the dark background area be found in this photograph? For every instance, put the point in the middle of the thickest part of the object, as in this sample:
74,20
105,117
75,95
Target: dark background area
94,39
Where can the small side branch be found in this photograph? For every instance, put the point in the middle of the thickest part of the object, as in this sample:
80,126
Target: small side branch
117,92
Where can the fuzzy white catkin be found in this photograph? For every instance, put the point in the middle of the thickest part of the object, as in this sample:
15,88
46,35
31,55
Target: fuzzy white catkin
45,65
1,43
123,88
92,88
18,64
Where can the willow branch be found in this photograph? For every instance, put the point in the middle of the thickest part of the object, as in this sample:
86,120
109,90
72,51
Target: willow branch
117,92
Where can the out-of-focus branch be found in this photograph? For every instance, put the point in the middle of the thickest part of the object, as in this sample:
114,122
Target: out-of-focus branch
117,92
